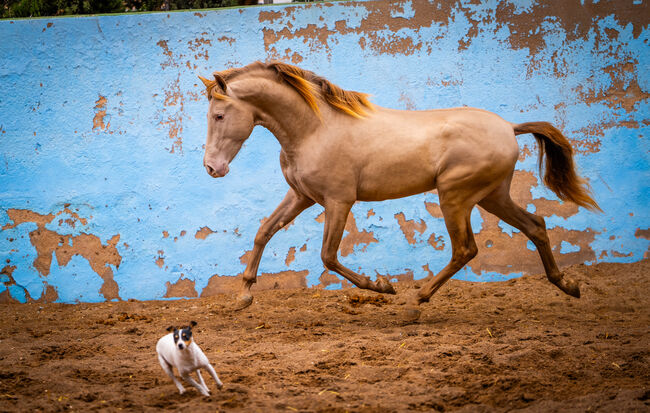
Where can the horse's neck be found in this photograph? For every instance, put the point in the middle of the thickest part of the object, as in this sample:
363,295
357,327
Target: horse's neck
281,110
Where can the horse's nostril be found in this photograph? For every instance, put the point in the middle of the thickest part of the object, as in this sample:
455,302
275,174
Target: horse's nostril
209,169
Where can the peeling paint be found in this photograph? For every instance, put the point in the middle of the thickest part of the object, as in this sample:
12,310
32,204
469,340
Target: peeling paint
105,208
48,243
410,226
282,280
181,288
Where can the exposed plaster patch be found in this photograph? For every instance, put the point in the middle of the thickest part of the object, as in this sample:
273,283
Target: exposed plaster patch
642,233
409,227
49,295
327,278
47,242
291,256
433,209
203,233
438,243
100,113
181,288
230,40
160,260
220,284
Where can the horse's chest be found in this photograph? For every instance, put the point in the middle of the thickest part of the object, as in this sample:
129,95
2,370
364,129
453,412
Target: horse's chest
300,179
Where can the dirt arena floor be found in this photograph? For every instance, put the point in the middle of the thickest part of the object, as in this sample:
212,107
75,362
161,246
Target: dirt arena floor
478,347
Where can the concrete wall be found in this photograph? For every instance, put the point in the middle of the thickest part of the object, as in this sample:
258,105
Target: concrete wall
102,121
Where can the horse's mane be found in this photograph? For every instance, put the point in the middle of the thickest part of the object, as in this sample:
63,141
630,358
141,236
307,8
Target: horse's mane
308,85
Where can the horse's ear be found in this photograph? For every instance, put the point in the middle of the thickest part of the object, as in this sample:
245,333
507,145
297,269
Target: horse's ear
220,81
205,81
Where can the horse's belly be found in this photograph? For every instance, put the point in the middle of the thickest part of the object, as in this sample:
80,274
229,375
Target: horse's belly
394,183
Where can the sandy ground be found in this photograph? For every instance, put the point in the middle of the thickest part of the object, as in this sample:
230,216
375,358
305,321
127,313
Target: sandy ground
520,344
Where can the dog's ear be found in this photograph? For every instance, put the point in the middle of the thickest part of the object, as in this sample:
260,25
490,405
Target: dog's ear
170,328
192,323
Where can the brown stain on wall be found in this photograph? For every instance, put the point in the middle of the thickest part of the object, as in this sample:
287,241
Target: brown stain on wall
49,295
327,278
100,113
437,242
48,242
203,233
642,233
181,288
434,209
409,227
160,260
291,256
219,284
5,297
575,19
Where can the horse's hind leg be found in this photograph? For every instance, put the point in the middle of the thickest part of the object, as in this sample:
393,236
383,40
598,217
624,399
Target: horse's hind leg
500,204
463,248
292,205
336,214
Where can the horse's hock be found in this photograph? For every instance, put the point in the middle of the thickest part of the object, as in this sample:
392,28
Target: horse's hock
104,196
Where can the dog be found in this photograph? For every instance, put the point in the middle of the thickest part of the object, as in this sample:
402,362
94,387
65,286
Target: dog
178,349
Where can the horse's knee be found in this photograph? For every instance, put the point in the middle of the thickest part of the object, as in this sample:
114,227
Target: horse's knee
262,238
329,260
537,231
463,254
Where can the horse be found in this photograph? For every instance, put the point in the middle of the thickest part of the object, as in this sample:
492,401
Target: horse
339,148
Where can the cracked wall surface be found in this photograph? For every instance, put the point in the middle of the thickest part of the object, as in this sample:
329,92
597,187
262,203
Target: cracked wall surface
103,195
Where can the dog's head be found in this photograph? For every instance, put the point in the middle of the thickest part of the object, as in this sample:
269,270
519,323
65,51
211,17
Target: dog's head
182,335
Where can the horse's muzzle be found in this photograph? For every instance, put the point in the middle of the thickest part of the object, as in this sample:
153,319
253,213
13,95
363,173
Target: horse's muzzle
217,172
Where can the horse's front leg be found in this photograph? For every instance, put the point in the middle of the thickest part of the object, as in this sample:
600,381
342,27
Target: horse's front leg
336,215
292,205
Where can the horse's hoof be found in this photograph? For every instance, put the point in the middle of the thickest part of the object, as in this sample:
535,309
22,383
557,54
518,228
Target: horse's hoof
384,286
243,301
571,287
568,286
410,314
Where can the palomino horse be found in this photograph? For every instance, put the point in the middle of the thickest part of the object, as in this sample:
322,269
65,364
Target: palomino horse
338,148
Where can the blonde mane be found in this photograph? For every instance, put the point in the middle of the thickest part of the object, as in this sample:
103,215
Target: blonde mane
308,85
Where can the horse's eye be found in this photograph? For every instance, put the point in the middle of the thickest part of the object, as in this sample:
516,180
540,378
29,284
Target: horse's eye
218,116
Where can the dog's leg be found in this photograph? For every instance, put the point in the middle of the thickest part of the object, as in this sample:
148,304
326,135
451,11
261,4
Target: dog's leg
168,369
198,373
193,382
213,373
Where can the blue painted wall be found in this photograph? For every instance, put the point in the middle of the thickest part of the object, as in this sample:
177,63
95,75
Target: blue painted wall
103,194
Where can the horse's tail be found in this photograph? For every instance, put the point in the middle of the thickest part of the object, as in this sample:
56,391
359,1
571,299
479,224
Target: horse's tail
560,175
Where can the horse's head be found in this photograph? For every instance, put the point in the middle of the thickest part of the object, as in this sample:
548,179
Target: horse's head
230,123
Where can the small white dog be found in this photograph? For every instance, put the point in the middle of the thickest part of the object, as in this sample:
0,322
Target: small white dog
178,349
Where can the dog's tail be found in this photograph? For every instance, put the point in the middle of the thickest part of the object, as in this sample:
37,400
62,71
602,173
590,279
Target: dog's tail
560,175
